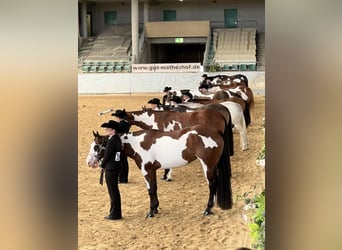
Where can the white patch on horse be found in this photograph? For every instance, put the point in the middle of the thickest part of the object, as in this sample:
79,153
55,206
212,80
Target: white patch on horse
166,150
147,119
171,126
147,183
239,91
215,80
204,167
238,120
91,158
237,80
208,142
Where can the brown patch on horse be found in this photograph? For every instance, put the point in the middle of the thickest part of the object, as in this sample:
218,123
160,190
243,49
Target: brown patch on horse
220,95
189,154
224,112
128,151
152,135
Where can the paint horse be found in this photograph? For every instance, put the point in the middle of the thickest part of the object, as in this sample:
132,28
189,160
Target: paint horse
150,149
236,113
228,80
168,121
237,90
219,97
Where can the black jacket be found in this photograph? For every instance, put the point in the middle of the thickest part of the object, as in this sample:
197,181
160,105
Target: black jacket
124,126
112,156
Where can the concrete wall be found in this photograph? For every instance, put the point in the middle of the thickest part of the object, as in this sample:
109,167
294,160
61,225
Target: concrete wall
247,10
154,82
177,29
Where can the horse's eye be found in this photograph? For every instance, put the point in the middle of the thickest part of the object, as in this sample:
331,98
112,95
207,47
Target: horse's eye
96,147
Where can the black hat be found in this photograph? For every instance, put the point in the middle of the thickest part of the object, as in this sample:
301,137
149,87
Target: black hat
184,91
111,124
120,113
176,99
154,101
166,89
204,75
188,94
203,86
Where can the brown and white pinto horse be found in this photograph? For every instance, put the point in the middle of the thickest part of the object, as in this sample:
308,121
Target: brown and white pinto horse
236,114
237,90
170,120
227,80
150,149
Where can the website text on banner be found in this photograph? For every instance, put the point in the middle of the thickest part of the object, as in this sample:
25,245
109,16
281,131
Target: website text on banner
166,67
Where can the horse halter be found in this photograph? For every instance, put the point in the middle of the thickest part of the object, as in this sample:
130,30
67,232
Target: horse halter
100,148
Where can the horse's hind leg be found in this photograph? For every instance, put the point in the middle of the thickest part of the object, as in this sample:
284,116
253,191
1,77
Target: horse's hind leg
212,192
241,127
151,182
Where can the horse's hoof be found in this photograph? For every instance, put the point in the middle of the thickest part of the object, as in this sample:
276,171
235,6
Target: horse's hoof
206,213
149,215
156,211
168,179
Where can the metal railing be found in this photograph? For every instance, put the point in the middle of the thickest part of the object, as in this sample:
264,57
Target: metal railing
240,24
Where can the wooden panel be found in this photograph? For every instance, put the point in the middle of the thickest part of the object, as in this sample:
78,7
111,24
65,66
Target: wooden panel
177,29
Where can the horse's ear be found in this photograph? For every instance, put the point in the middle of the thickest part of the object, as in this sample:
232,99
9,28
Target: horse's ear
97,133
94,133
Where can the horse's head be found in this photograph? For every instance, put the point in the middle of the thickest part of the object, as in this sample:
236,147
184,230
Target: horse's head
91,158
97,149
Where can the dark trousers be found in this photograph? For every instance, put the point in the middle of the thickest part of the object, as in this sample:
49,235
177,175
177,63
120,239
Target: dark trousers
166,171
123,176
114,193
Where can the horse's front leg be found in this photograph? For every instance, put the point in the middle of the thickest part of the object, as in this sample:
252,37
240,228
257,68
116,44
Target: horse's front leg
212,192
151,183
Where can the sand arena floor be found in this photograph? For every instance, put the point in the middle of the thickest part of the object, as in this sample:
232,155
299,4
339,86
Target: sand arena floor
179,224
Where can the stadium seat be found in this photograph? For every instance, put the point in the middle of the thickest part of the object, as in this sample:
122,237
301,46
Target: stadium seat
243,67
126,68
93,69
101,67
251,67
117,68
234,67
225,67
85,67
109,69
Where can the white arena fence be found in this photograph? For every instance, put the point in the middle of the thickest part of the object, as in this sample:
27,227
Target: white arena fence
123,83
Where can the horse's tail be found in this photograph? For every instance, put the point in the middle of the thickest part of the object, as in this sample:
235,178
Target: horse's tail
247,114
228,136
223,172
245,79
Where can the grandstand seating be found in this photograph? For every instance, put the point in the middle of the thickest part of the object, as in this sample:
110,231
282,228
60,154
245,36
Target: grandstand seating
233,49
227,49
108,52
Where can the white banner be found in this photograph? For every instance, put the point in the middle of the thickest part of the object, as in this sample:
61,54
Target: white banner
166,67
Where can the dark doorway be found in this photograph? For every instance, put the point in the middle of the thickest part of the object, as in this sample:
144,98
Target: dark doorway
177,53
90,24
